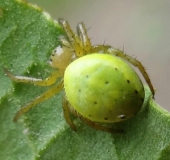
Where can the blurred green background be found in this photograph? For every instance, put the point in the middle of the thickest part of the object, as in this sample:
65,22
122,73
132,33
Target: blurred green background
142,27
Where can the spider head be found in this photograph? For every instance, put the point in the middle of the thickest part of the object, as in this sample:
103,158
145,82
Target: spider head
61,57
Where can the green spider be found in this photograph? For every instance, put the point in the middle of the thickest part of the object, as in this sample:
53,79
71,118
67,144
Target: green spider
100,87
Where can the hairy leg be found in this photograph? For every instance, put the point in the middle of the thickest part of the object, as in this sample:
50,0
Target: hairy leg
133,61
72,38
82,32
51,92
46,82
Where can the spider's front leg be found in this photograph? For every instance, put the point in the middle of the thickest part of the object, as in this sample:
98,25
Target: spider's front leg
46,82
133,61
79,42
51,92
82,32
72,38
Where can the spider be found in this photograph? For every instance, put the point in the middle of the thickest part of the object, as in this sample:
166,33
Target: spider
100,87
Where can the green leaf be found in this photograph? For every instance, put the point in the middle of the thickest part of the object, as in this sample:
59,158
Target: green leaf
27,37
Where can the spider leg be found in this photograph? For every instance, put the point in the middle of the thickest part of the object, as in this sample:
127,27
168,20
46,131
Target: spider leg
81,29
95,125
73,39
66,112
100,49
100,127
134,62
46,82
46,95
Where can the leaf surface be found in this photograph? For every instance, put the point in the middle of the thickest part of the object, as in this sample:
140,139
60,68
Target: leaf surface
27,37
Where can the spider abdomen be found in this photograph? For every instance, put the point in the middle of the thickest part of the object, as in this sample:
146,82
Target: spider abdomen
103,88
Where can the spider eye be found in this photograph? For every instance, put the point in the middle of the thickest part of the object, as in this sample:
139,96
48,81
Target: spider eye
61,57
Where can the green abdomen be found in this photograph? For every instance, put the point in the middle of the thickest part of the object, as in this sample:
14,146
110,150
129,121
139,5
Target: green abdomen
103,88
